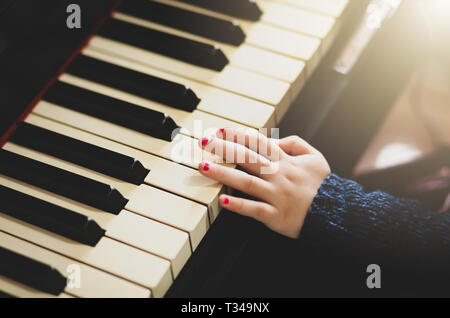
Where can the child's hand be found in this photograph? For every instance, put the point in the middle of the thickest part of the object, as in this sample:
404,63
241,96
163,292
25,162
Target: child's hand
284,174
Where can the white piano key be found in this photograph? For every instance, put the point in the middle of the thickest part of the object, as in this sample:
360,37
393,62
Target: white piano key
129,228
195,124
333,8
213,100
295,19
286,42
263,35
145,200
231,78
108,255
244,56
164,174
326,30
182,149
94,282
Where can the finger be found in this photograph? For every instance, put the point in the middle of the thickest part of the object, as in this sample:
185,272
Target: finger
235,153
260,211
237,179
295,146
253,140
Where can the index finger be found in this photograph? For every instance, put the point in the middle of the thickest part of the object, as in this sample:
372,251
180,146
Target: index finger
253,140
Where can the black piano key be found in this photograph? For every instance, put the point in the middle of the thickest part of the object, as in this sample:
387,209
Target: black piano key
140,84
31,273
194,52
81,153
242,9
53,218
192,22
141,119
62,182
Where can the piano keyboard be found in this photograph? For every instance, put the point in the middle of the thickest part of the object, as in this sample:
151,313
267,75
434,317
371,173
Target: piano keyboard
98,177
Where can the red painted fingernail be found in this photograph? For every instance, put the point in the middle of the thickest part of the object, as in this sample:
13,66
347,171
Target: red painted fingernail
226,201
206,166
204,141
222,130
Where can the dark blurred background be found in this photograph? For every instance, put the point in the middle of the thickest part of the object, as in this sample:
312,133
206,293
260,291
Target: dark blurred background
385,121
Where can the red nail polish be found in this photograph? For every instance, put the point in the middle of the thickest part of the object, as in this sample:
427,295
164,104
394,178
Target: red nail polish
204,141
226,201
222,130
206,166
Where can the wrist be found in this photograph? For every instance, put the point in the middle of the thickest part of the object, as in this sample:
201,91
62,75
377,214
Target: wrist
327,197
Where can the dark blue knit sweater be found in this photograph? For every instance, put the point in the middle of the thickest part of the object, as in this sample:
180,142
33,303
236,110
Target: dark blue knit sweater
343,220
341,209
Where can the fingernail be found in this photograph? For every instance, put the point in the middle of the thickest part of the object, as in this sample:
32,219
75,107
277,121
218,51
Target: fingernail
205,166
205,141
220,133
226,201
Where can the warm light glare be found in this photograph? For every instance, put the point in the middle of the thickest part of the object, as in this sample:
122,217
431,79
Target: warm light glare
438,12
395,154
442,6
437,16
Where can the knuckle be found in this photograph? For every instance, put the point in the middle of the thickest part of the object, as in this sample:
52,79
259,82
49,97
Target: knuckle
239,134
290,138
297,140
239,205
220,173
263,214
250,185
212,146
293,177
241,154
259,213
269,170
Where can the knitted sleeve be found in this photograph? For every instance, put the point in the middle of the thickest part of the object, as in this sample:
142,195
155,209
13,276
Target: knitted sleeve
344,217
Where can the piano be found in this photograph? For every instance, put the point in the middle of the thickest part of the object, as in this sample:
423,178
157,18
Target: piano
100,126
